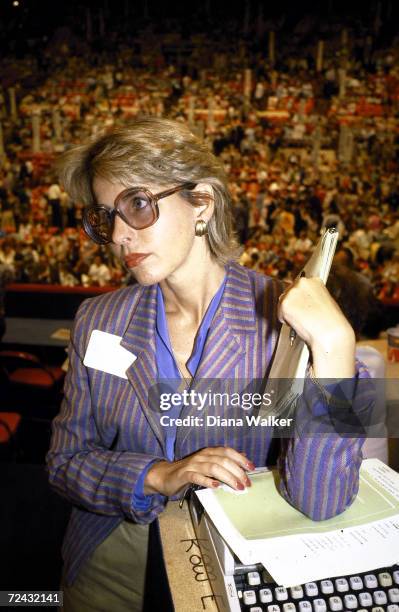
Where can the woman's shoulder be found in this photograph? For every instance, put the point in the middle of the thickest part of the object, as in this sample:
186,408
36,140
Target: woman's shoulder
259,282
111,297
109,311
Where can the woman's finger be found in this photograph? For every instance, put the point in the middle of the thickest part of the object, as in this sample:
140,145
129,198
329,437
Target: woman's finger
223,470
226,452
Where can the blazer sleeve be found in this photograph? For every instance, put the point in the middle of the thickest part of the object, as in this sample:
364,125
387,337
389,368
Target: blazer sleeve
98,479
319,466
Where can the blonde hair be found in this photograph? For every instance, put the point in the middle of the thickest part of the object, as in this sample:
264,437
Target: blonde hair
156,151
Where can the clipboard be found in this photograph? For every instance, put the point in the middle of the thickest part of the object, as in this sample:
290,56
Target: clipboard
290,361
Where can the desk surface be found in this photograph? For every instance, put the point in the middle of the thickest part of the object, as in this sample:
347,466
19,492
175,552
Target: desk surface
36,332
187,577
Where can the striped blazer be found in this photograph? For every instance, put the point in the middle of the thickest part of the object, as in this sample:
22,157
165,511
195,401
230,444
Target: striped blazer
108,429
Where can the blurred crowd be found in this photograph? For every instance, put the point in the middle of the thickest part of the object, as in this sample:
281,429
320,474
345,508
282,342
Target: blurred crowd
306,127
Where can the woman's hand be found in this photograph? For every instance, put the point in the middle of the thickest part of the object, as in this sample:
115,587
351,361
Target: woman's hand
207,467
310,310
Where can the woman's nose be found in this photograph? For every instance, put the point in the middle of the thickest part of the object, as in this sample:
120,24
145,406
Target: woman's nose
121,232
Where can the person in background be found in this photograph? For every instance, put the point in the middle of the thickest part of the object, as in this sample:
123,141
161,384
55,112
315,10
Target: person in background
54,198
99,273
355,300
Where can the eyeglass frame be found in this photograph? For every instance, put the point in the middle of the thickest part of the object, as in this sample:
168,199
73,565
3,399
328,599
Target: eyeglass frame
153,199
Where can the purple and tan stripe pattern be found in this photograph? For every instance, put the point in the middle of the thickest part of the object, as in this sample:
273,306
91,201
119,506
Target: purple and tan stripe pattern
106,433
319,467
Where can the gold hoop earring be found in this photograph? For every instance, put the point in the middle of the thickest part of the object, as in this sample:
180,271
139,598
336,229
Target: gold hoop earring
201,227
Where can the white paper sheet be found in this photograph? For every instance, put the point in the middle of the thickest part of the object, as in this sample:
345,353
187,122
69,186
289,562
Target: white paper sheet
299,558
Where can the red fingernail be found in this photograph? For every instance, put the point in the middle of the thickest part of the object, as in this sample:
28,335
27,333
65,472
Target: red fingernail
240,486
248,482
250,465
215,483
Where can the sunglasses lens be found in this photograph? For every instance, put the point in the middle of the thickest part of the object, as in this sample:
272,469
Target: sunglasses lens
97,223
137,208
134,206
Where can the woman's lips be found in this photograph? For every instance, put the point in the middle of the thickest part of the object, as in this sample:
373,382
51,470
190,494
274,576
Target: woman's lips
134,259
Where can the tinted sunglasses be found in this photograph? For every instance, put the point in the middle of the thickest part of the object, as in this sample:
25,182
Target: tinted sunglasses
136,206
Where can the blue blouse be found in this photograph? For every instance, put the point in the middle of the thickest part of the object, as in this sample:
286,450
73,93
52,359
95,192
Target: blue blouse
168,369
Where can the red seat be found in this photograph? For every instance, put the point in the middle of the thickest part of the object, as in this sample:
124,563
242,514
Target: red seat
9,422
21,368
45,377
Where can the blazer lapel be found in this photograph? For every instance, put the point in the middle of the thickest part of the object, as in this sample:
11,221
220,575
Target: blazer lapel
139,338
225,349
235,317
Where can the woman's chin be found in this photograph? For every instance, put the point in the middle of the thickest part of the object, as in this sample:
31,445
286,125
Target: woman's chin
145,277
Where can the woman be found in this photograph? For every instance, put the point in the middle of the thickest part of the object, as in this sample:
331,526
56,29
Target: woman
157,194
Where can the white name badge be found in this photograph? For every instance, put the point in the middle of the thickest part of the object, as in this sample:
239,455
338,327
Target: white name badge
105,353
